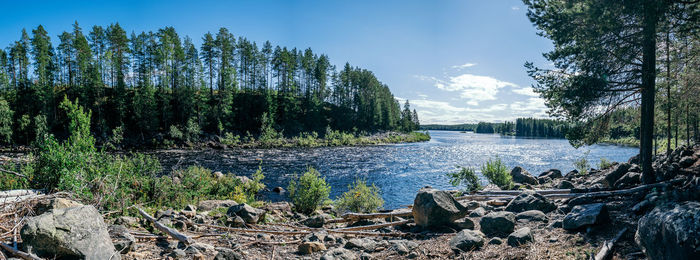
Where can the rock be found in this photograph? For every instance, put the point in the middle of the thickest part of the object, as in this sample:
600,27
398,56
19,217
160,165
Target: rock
227,254
339,254
634,159
463,223
532,215
495,241
520,175
552,174
635,168
190,207
687,161
243,179
365,256
316,237
564,184
529,200
207,205
403,247
614,174
628,180
121,238
278,190
164,214
671,231
364,244
543,180
316,221
555,224
499,223
642,207
472,205
74,232
235,221
307,248
477,213
467,240
218,174
585,215
126,221
520,237
57,203
433,208
249,214
177,254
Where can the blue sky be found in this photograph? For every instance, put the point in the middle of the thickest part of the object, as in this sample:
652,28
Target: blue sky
456,61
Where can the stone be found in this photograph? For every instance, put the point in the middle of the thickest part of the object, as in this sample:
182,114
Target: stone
585,215
628,180
403,247
278,190
316,237
249,214
520,237
467,240
126,221
364,244
227,254
532,215
315,221
520,175
543,180
463,223
365,256
614,174
564,184
218,174
434,208
74,232
529,200
339,254
477,213
121,238
570,175
178,254
57,203
671,231
190,207
235,221
687,161
552,174
499,223
207,205
307,248
495,241
472,205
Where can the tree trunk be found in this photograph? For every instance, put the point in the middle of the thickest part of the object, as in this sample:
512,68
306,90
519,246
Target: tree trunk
648,89
668,92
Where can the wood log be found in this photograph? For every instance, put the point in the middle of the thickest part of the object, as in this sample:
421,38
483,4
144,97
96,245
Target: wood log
376,226
171,232
517,192
359,216
607,247
589,197
17,253
17,193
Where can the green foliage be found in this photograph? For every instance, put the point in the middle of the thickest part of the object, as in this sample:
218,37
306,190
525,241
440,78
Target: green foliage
497,173
308,191
230,139
465,176
604,163
360,198
307,140
582,165
5,121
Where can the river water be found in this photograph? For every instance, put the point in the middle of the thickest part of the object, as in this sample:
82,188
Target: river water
399,170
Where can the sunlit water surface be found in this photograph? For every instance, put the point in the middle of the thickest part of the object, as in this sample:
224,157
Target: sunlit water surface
398,170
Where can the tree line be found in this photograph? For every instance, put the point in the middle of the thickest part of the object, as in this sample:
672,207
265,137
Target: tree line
145,84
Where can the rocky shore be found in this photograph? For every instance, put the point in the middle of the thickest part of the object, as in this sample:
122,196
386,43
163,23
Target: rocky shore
602,214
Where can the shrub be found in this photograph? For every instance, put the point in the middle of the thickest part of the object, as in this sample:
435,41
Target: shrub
604,163
582,165
497,173
360,198
192,130
467,177
5,121
175,133
230,139
308,191
307,139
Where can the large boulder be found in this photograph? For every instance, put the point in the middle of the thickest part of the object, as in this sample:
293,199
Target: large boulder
500,223
520,237
530,200
75,232
614,174
532,215
249,214
585,215
433,208
467,240
552,174
628,180
520,175
671,231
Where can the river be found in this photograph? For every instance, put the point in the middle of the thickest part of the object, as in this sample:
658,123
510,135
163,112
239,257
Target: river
399,170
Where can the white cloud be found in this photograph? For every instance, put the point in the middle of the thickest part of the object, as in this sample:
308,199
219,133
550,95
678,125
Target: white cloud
464,66
527,91
515,8
472,88
533,107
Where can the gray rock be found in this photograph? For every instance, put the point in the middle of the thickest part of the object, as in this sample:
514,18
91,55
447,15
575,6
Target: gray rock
687,161
177,254
316,237
235,221
227,254
520,175
628,180
207,205
472,205
433,208
403,247
477,213
552,174
532,215
74,232
585,215
278,190
467,240
463,223
364,244
495,241
308,248
121,238
671,231
365,256
499,223
54,204
564,184
126,221
339,254
543,180
249,214
529,200
614,174
520,237
316,221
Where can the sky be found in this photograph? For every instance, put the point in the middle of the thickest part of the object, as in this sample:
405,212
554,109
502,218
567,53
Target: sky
455,61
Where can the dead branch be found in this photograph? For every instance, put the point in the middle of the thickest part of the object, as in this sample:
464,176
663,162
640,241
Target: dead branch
14,173
376,226
17,253
358,216
588,197
171,232
607,247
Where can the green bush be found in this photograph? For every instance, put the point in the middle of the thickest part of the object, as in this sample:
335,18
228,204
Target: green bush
360,198
465,176
582,165
308,191
497,173
230,139
604,163
5,121
307,140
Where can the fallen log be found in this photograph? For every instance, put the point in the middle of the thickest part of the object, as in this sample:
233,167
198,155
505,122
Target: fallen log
376,226
171,232
589,197
607,247
359,216
517,192
17,253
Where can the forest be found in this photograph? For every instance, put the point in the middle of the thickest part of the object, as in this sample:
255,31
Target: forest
148,86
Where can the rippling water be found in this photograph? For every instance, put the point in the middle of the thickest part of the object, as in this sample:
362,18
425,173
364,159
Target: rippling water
398,170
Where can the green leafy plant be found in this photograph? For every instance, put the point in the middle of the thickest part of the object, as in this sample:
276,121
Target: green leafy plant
497,173
308,191
465,176
604,163
581,164
360,198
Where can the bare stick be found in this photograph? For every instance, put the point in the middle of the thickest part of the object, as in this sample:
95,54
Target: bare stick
358,216
390,224
171,232
18,253
607,247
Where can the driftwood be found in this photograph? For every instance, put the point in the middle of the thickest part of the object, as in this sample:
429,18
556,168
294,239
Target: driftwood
18,193
17,253
517,192
358,216
607,247
376,226
589,197
171,232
